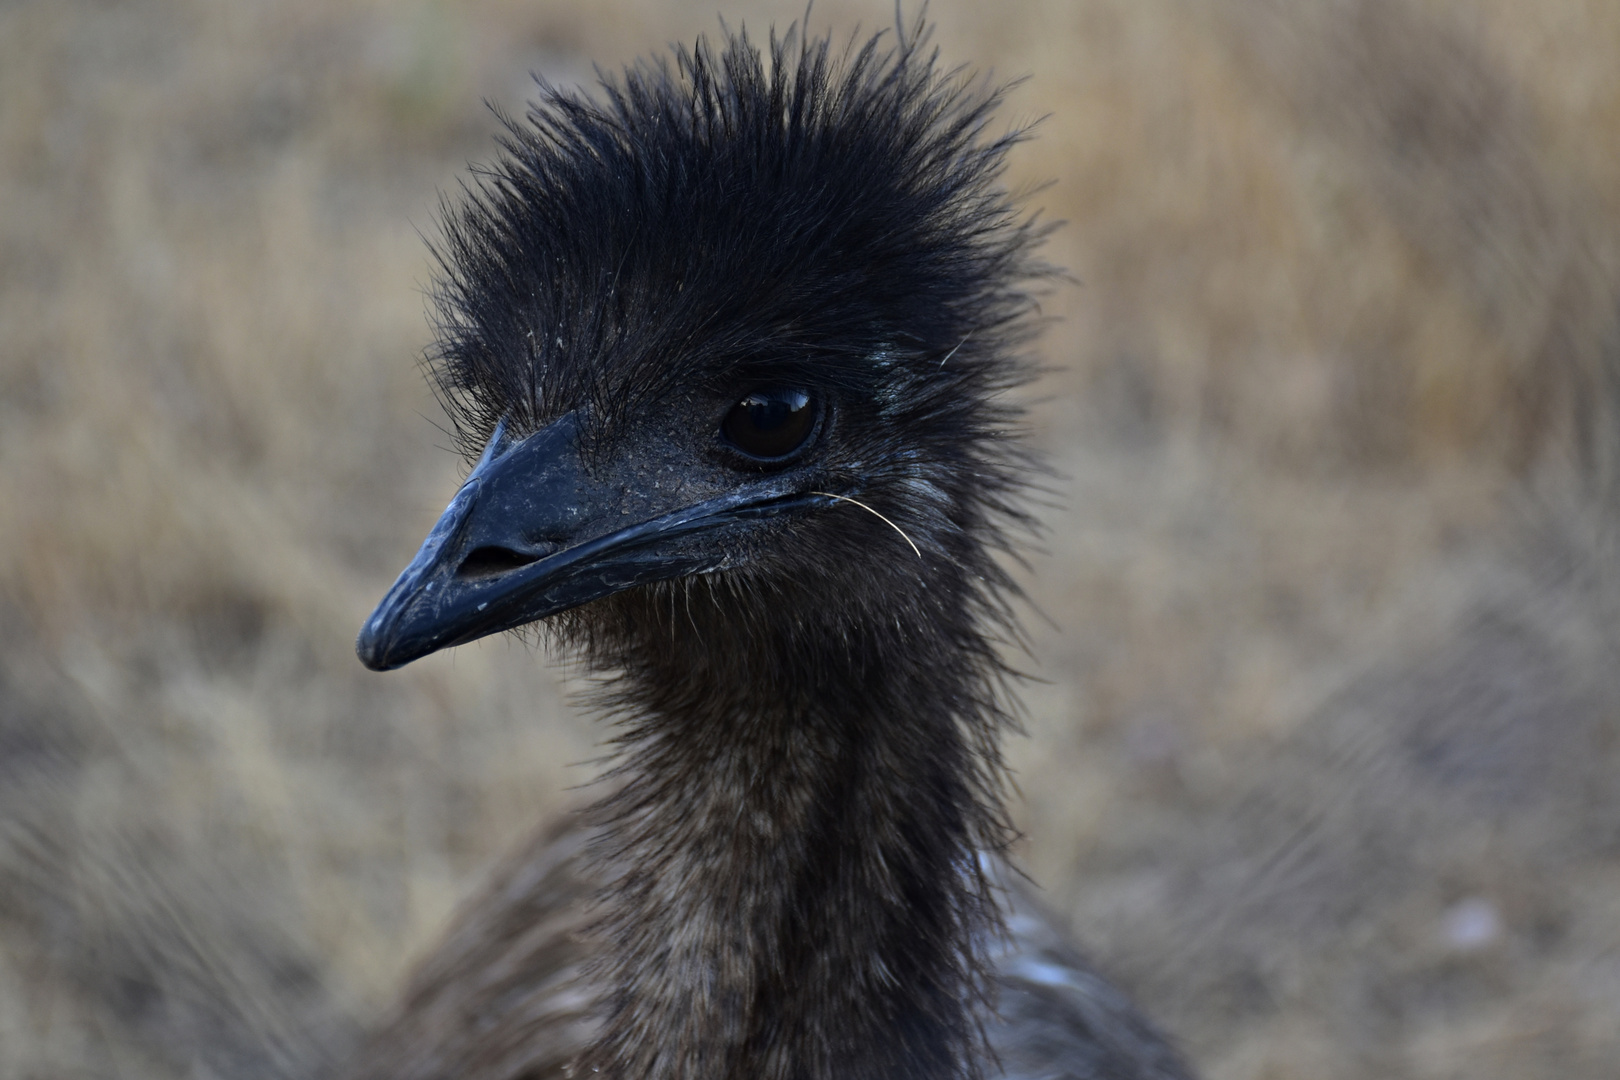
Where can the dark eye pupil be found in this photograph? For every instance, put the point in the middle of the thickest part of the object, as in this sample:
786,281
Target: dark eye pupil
770,424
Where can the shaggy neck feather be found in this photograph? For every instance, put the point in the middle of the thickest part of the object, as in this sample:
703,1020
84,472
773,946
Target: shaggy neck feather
791,851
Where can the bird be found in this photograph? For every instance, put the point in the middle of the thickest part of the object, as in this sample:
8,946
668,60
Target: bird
730,344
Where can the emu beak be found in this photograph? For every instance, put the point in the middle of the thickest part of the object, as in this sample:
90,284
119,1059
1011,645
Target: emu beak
531,533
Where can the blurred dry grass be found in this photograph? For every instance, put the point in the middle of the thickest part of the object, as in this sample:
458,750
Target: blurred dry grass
1324,767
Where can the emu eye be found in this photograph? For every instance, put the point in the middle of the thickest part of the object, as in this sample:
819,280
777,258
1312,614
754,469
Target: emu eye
770,424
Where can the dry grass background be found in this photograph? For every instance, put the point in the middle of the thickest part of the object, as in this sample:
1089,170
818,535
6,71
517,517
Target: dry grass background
1325,765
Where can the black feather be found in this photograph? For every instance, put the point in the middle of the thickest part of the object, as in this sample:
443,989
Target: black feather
807,766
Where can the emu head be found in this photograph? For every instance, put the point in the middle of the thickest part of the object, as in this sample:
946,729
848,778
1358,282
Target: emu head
731,324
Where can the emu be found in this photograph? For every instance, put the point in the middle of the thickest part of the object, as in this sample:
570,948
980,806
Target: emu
729,345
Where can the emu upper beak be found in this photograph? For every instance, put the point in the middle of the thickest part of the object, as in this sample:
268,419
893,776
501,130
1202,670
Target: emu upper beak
531,533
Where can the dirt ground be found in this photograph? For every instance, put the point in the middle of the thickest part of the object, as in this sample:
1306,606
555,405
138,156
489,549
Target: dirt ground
1324,747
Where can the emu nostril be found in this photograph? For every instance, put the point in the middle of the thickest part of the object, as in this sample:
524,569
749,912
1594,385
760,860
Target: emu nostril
486,562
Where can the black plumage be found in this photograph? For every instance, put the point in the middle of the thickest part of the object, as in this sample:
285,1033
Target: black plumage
730,344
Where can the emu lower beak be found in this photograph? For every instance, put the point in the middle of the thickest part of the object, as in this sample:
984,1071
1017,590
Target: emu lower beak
531,534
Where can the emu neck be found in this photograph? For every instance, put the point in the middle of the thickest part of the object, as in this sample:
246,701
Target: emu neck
794,892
